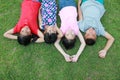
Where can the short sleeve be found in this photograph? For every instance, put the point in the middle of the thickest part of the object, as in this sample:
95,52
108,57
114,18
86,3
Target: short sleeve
101,30
16,29
81,25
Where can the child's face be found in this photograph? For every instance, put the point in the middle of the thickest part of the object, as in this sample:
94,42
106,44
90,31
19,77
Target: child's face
25,31
50,29
70,34
90,34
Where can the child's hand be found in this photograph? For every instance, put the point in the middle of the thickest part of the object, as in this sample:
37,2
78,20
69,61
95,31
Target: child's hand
34,38
67,58
102,53
79,2
74,58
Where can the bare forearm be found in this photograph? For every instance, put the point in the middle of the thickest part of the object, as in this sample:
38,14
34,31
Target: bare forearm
81,49
102,53
82,46
40,19
9,34
11,37
57,45
60,34
79,11
39,40
109,44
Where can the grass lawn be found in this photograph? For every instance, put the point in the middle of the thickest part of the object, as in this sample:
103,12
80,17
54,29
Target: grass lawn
44,62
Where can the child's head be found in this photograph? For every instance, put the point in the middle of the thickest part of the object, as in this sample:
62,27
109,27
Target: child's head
90,36
25,36
24,40
69,39
50,34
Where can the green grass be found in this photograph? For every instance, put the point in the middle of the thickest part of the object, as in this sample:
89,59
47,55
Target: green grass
44,62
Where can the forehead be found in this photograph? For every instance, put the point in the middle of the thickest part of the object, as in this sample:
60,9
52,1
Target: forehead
89,35
24,32
70,36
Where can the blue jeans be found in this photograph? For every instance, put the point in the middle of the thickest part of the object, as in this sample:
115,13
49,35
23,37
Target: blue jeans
101,1
64,3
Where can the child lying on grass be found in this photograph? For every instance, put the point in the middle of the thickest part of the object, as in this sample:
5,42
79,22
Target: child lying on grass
70,29
27,24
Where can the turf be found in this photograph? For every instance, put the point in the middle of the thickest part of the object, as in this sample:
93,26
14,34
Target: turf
44,62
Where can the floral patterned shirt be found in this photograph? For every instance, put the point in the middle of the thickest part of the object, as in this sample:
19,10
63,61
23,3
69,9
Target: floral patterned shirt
49,11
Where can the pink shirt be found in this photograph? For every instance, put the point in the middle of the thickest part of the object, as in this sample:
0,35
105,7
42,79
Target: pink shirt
68,16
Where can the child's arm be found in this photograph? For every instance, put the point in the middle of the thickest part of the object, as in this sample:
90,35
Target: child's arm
81,48
9,34
59,48
79,11
60,34
41,37
102,53
39,18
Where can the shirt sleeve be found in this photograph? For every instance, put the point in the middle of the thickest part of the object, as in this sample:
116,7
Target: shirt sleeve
101,30
16,29
81,25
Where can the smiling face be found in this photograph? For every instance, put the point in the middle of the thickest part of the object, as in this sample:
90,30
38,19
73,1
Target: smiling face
50,34
90,34
25,31
70,34
50,29
69,39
